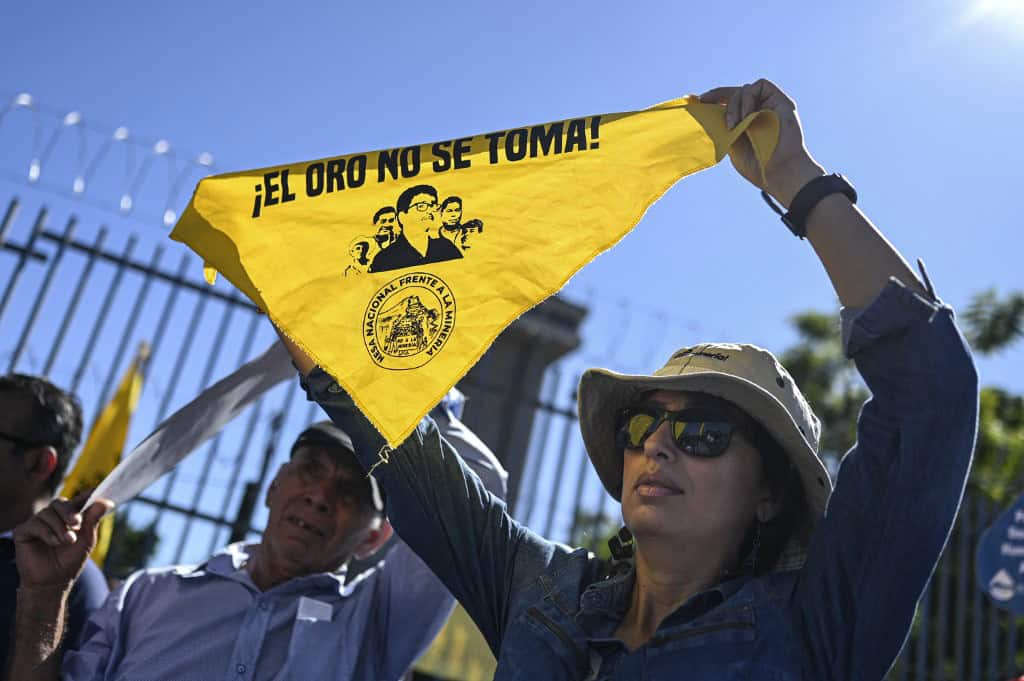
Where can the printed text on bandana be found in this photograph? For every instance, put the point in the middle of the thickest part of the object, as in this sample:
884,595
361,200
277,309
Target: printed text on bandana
352,172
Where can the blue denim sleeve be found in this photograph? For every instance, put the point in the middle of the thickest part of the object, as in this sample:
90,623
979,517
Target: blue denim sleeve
408,585
446,515
898,489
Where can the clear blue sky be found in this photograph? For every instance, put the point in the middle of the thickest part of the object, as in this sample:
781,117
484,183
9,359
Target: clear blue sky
917,103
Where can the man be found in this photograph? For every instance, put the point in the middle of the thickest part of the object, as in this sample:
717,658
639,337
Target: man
384,221
419,240
40,427
281,608
360,251
451,229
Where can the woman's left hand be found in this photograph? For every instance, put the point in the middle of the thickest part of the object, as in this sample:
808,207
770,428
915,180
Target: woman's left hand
791,166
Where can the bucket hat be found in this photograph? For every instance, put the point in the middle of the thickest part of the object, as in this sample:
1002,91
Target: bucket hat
749,377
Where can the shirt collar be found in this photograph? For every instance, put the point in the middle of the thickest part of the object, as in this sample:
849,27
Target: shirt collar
604,603
230,563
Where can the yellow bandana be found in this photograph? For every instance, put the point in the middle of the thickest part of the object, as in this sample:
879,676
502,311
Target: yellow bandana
395,270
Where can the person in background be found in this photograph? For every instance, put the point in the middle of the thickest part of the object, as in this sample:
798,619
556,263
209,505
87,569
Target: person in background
40,428
283,608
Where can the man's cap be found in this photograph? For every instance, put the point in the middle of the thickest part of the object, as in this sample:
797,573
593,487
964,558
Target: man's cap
327,434
745,375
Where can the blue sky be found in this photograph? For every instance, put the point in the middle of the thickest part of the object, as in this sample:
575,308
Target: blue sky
917,103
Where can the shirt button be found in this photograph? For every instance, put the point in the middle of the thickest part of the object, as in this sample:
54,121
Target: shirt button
240,669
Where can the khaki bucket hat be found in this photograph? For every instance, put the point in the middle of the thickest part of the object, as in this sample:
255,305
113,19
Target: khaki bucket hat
747,376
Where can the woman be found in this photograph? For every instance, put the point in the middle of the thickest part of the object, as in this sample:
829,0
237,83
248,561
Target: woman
737,568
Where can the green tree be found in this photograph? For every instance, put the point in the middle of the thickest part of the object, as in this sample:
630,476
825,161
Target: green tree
130,547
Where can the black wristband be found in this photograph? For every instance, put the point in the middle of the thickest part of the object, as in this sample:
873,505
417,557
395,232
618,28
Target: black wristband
808,197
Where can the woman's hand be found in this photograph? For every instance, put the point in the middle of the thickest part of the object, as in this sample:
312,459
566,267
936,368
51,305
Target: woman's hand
791,166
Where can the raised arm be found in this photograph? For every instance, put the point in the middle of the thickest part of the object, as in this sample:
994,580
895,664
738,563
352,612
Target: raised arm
51,548
410,585
441,509
858,258
899,487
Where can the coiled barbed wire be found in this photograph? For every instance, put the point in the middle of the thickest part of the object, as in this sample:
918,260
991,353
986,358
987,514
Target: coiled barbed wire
94,144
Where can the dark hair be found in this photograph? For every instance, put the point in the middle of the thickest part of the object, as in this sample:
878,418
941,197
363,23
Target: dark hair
405,198
56,418
385,209
784,483
451,199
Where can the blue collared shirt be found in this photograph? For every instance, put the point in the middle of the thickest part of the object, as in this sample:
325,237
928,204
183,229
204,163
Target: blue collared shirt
548,613
211,622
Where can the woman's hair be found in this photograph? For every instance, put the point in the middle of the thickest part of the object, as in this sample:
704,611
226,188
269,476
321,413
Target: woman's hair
784,483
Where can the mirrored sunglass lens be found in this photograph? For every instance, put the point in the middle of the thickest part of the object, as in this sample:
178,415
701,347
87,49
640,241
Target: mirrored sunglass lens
636,428
702,438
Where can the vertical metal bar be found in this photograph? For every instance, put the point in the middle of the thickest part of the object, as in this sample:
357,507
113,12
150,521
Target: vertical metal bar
921,640
941,581
513,405
75,299
129,330
962,570
19,268
212,450
44,291
249,432
105,307
994,615
976,610
5,224
994,634
531,468
552,508
158,339
243,519
1010,663
183,351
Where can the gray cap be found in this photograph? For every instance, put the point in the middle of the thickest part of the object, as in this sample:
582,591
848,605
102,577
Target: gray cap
326,433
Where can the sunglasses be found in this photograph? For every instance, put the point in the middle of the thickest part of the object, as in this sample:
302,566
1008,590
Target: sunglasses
696,432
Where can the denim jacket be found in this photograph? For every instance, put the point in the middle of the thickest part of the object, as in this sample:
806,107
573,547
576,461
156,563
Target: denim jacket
548,614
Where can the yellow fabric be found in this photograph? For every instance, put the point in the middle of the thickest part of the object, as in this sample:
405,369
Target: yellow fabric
549,197
459,652
104,446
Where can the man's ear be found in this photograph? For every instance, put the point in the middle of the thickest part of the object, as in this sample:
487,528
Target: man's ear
42,462
374,540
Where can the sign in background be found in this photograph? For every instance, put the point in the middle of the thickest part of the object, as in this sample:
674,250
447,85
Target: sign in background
1000,559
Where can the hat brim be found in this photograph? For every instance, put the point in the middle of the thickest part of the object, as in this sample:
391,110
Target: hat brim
603,394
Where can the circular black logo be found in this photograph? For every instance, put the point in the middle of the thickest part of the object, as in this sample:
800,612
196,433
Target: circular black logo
408,321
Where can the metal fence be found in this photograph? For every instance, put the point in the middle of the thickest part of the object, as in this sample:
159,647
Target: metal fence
76,298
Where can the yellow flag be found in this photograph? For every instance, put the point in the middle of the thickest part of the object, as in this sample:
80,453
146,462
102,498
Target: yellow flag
104,446
395,270
459,651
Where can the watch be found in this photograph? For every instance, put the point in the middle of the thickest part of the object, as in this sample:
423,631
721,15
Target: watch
808,197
